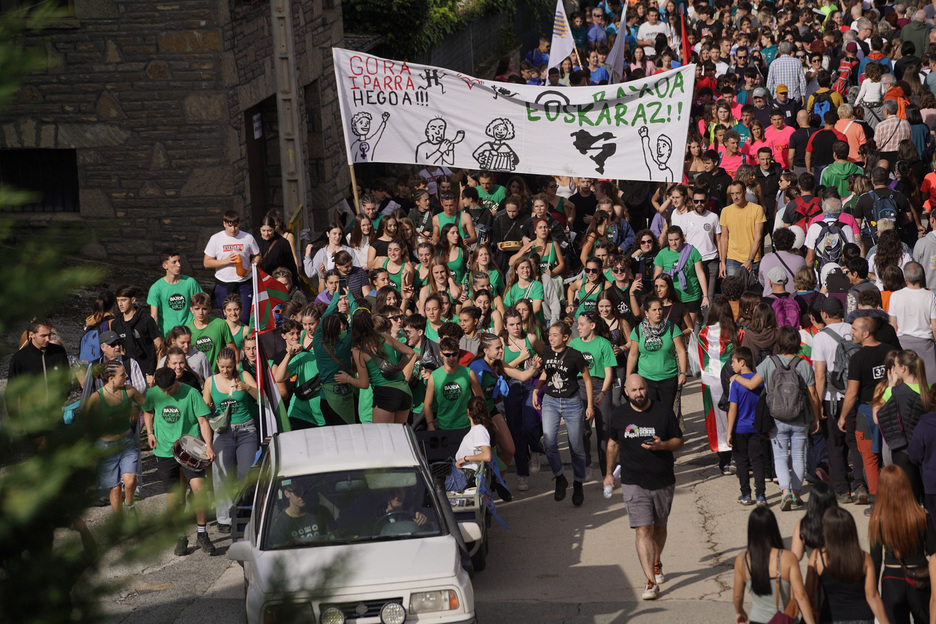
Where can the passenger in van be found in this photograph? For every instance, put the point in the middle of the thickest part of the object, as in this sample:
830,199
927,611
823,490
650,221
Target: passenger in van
303,520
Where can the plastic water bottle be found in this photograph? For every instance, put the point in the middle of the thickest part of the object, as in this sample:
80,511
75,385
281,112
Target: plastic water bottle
607,491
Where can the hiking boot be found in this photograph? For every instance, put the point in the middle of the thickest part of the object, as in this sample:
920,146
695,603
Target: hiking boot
762,501
522,484
651,592
181,547
861,495
797,501
562,484
745,500
224,529
578,493
844,498
869,510
204,542
658,572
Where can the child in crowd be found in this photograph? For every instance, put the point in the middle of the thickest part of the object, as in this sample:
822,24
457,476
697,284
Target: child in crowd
746,442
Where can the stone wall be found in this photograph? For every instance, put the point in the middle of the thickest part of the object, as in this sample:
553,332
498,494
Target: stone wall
152,96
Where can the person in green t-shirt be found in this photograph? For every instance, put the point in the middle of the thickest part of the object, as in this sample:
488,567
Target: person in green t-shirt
448,390
594,343
524,285
683,263
169,297
170,410
208,335
658,353
490,195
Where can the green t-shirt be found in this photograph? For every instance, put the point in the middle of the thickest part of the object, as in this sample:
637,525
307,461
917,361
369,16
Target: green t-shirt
598,352
668,260
305,367
450,404
497,281
658,362
174,415
492,200
239,401
532,292
210,340
172,301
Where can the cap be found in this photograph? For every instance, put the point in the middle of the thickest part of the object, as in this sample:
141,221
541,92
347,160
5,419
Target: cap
760,92
851,46
832,306
782,89
109,338
777,275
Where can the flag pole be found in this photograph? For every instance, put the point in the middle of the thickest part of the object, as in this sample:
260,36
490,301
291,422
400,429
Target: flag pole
256,319
354,191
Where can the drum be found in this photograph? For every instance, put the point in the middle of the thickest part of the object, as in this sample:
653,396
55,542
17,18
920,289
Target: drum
511,245
191,452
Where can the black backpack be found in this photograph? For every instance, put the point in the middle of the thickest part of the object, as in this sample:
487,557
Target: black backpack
822,103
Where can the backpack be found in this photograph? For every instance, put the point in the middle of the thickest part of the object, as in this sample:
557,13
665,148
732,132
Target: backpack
844,350
831,242
808,210
677,271
882,208
787,311
90,348
843,76
822,103
786,394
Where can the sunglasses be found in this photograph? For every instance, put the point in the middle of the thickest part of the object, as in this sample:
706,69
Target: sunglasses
449,355
800,56
619,270
646,242
592,271
395,317
698,201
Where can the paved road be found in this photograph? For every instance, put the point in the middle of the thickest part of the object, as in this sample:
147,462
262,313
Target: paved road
555,564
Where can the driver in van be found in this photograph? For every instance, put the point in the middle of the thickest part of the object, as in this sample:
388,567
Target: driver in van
396,503
303,520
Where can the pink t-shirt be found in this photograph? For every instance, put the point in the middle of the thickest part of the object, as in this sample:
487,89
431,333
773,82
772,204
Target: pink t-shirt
731,163
845,218
750,149
779,141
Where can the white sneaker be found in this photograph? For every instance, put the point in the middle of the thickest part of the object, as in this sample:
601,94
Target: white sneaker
535,463
522,485
651,592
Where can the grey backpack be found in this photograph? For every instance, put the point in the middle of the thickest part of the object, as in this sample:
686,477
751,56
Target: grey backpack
844,349
786,394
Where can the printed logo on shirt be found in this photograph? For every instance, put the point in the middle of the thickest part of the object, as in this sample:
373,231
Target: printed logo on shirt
451,391
305,532
204,344
171,414
229,247
589,358
177,302
633,431
226,403
878,372
707,227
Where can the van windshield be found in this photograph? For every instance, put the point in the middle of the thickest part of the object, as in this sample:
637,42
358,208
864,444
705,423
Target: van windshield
351,507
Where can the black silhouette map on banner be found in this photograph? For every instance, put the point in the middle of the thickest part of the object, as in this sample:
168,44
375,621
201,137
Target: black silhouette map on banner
398,112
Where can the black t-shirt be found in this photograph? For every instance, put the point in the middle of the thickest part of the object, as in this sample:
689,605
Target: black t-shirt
621,299
822,148
651,470
586,206
137,336
864,208
798,141
676,314
562,371
867,367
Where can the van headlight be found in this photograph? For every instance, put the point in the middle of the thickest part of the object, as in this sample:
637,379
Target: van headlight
332,615
427,602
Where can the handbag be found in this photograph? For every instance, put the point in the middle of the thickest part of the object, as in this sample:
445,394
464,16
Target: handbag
309,390
221,422
387,368
791,612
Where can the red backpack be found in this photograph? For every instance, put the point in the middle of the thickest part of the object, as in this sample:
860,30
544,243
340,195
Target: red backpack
807,211
843,76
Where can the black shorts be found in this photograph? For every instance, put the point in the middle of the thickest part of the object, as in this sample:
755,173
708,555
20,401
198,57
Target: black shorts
169,471
391,399
694,306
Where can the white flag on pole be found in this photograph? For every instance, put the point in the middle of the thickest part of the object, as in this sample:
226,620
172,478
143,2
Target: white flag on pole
562,42
616,59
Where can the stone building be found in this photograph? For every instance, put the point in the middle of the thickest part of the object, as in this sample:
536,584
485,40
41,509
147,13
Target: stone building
153,118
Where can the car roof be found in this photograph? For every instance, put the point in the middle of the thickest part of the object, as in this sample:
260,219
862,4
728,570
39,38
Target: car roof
344,447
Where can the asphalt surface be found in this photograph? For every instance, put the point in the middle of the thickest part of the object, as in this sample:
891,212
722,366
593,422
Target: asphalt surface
556,563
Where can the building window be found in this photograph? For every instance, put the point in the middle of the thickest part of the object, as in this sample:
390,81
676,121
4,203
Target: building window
50,175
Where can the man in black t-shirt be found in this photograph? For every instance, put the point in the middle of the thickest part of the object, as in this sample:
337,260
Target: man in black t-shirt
865,370
644,435
907,220
585,204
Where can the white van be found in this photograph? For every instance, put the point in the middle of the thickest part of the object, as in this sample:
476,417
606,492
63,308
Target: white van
347,527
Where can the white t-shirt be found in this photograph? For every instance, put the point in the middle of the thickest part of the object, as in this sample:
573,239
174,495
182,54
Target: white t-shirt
823,350
221,245
700,231
471,444
904,259
650,31
914,309
812,235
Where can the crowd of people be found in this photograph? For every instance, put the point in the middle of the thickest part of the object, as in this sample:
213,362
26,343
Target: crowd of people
791,268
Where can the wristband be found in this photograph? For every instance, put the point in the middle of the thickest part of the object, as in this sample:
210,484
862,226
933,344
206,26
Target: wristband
683,374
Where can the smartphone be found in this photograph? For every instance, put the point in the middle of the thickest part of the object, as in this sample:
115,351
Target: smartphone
342,284
638,277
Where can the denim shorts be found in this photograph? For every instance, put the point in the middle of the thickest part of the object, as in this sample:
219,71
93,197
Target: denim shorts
122,457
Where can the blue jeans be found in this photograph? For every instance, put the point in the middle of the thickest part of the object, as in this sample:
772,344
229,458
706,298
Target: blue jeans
572,412
524,424
244,289
789,442
236,449
733,266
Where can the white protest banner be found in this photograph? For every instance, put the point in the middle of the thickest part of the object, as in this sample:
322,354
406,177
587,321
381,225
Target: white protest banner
397,112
